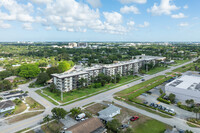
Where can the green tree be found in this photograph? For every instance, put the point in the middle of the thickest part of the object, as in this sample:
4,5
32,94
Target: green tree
64,66
5,85
47,119
52,70
172,97
29,71
195,110
42,78
58,113
75,111
113,125
161,91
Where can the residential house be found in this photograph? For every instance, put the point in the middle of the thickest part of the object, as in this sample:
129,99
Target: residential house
6,106
91,125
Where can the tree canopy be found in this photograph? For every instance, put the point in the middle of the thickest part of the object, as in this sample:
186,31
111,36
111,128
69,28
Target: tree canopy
42,78
58,113
64,66
29,71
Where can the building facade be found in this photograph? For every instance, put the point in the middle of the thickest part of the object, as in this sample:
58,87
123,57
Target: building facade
185,87
70,81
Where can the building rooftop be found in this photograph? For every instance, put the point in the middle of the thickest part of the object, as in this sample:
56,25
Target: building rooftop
92,125
74,73
6,104
109,110
188,82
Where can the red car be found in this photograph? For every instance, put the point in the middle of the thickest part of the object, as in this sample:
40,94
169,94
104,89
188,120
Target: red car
134,118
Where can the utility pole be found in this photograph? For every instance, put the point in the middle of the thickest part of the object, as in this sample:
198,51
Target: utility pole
62,94
146,67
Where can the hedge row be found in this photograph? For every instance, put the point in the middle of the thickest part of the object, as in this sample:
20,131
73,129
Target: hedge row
160,98
184,107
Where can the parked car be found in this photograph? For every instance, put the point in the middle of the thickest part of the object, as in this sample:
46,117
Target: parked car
123,126
149,92
159,106
152,105
155,105
80,116
144,94
143,80
145,102
134,118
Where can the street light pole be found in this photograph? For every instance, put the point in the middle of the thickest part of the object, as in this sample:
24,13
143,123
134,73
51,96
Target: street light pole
62,94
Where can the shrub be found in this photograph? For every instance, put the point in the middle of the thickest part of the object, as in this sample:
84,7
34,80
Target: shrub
160,98
97,85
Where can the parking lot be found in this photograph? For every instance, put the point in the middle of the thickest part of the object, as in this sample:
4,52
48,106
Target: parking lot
152,98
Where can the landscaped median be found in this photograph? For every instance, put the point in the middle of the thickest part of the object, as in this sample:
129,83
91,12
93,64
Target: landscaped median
80,94
130,95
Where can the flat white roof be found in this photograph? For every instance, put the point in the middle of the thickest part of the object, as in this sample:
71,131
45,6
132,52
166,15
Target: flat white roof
188,82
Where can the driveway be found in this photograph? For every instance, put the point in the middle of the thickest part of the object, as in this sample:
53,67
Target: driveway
68,122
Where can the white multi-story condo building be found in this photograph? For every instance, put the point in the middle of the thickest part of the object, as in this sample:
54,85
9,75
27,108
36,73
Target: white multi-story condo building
70,81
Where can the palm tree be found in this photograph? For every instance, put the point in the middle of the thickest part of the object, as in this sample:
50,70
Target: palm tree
195,110
46,119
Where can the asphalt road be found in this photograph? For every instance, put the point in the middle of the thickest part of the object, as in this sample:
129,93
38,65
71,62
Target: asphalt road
105,96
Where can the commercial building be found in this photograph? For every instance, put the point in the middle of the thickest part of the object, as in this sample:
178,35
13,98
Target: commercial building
185,87
69,81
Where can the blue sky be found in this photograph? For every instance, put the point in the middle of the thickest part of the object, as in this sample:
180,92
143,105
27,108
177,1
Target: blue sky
99,20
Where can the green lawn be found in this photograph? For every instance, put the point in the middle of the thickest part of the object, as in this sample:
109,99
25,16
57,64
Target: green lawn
156,70
138,86
68,96
50,100
151,126
191,125
179,62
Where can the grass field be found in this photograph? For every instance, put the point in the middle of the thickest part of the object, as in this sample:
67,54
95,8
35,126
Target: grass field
53,127
191,125
179,62
156,70
50,100
151,126
138,86
31,103
20,108
68,96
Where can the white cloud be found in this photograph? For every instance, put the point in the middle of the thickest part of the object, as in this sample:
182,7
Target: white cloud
128,9
146,24
131,23
113,17
4,25
180,15
41,1
16,11
69,14
185,7
94,3
165,7
183,24
48,27
133,1
27,26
